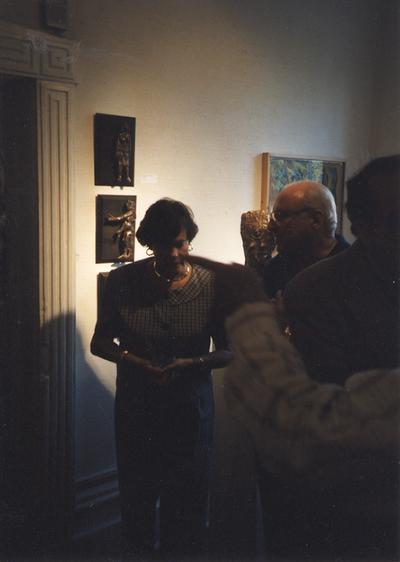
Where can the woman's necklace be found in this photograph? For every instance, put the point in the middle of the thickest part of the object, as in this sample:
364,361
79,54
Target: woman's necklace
186,273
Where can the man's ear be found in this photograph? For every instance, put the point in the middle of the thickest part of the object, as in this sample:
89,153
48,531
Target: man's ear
317,219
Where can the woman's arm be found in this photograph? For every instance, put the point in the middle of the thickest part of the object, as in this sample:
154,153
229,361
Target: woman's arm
107,326
208,361
104,346
107,331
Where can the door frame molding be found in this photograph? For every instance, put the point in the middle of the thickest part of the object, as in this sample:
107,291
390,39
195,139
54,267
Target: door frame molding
50,61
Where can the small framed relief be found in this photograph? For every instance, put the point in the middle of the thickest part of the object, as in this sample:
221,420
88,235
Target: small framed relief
114,150
115,228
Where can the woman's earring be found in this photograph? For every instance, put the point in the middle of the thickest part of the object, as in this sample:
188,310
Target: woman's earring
149,252
190,247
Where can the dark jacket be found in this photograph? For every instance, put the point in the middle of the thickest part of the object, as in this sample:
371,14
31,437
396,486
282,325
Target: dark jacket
344,316
282,268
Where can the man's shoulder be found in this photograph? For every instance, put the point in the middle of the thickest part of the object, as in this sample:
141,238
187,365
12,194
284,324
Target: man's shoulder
323,275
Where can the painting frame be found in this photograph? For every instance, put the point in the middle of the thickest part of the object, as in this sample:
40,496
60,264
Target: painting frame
112,232
279,170
114,150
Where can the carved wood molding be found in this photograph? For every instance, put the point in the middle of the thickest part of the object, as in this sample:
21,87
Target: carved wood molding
57,280
49,60
28,52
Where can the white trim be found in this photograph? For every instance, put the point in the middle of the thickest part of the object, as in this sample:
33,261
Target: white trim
33,53
57,282
49,60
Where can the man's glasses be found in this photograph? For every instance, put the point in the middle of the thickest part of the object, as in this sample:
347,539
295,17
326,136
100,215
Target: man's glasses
281,216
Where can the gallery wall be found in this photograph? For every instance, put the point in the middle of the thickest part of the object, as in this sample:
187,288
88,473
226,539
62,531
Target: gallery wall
213,84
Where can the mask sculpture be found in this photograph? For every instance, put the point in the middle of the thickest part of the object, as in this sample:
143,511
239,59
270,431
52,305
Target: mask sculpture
258,241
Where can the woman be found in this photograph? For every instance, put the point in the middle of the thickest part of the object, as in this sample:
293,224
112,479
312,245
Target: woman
163,312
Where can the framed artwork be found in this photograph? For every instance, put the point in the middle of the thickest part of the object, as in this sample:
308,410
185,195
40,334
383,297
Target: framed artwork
278,171
114,148
101,286
55,14
115,228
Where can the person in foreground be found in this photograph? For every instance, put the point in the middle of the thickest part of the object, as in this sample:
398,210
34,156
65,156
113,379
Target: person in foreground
344,312
163,310
333,451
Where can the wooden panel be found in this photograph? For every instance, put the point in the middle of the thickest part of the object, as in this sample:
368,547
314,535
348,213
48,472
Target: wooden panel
33,54
57,298
20,396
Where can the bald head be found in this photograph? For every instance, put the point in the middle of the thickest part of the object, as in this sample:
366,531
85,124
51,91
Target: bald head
312,195
304,220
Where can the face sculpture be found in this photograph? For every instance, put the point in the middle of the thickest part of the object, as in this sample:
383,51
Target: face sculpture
258,241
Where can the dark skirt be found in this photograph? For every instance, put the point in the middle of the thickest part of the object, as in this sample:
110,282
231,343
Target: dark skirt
164,440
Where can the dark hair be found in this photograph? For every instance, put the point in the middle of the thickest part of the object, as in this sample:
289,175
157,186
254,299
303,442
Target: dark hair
163,221
364,188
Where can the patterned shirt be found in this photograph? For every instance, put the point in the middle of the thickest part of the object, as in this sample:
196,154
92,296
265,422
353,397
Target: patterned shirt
177,324
160,324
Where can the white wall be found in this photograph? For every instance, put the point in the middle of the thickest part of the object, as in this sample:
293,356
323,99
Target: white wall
212,85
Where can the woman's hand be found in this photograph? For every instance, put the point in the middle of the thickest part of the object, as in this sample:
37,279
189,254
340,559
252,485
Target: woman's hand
144,364
158,373
207,361
173,369
180,363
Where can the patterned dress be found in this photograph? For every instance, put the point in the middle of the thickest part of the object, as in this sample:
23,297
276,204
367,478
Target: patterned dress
163,432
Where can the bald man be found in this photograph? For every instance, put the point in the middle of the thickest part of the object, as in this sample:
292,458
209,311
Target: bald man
304,221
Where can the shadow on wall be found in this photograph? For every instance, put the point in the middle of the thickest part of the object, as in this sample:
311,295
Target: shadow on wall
94,412
96,482
38,436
